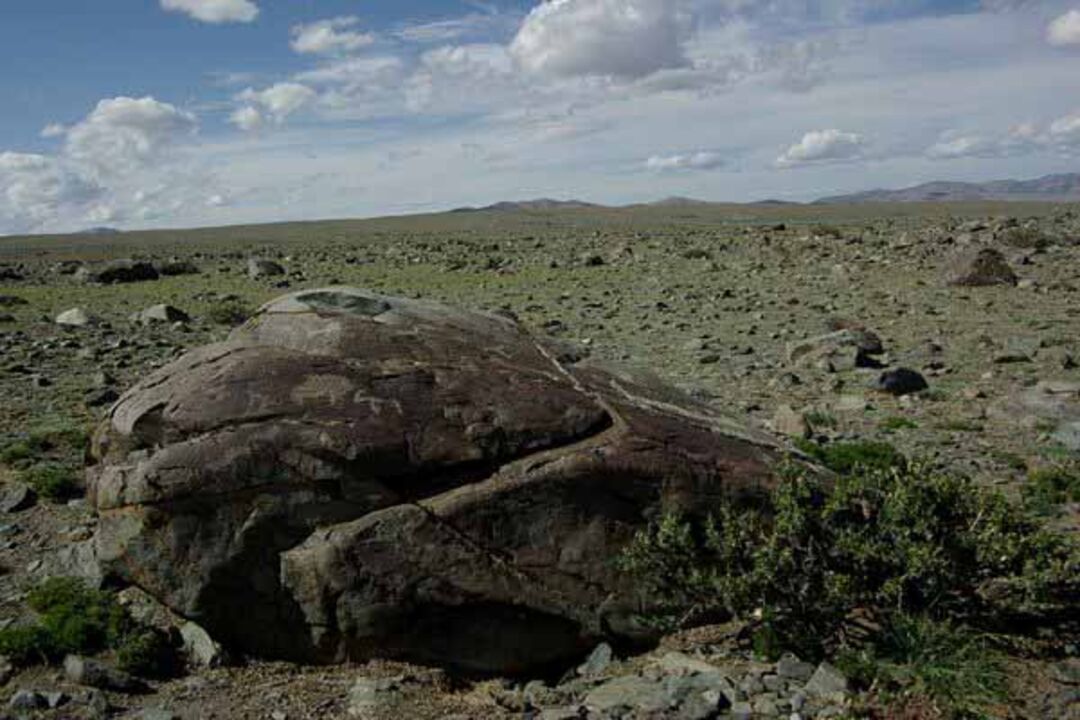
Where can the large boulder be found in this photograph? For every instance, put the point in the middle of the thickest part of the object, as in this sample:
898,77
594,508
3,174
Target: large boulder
350,475
119,271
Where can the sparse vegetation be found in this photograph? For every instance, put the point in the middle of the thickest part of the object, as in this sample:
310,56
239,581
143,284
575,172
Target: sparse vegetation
229,312
1048,488
897,422
915,660
821,419
913,545
53,481
849,456
72,618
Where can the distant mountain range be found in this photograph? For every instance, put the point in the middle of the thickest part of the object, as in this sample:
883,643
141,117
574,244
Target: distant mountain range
1050,188
538,204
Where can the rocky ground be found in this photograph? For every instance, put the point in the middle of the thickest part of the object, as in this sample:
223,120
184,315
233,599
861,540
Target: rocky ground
766,313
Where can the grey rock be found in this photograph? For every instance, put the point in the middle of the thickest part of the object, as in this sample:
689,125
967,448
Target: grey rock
633,692
827,681
119,271
178,267
156,713
94,673
75,317
161,313
200,649
742,711
372,697
260,268
792,668
56,698
27,700
598,662
16,496
788,421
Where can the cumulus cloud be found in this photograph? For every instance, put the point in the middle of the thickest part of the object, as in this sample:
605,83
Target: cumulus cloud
92,177
330,37
53,130
246,118
701,160
214,11
123,133
819,146
617,38
35,188
280,100
1066,130
1065,30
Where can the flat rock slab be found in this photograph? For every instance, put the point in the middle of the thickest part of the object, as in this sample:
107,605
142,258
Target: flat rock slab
352,476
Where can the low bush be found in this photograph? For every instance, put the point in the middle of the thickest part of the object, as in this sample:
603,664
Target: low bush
897,422
72,618
1048,488
847,457
888,536
53,481
230,312
915,659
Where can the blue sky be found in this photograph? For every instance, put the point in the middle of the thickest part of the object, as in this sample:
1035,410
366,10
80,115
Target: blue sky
171,113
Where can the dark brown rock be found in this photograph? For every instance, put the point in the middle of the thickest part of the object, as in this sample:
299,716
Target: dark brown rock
981,267
351,475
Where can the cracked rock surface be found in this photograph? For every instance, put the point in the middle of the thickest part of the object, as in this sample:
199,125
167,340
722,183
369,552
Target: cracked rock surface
351,476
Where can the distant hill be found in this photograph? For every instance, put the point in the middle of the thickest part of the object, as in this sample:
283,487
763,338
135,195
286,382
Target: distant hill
1051,188
538,204
99,231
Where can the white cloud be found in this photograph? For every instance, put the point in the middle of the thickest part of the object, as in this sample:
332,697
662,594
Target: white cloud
330,37
701,160
1065,30
34,189
616,38
214,11
963,146
822,146
443,31
53,130
1066,130
280,100
246,118
123,133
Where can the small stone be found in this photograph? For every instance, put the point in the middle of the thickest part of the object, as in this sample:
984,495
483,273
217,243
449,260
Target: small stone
597,663
93,673
101,398
901,381
827,681
161,314
56,699
788,421
201,649
27,700
16,496
258,268
742,711
371,697
766,707
75,317
792,668
157,714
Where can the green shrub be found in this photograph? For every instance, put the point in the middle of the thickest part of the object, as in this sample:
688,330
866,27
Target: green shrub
845,458
902,539
821,419
1028,238
52,481
916,659
61,438
1047,488
230,312
147,653
77,618
897,422
27,645
73,618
